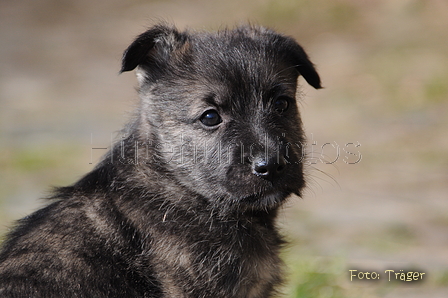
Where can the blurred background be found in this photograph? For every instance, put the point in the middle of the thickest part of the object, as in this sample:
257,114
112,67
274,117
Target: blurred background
380,204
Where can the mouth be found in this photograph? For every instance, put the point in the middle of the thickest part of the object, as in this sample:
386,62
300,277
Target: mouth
254,192
265,200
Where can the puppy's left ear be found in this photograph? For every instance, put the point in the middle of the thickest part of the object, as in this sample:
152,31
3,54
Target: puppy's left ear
303,64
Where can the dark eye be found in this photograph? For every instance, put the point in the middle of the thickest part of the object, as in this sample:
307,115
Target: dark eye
281,104
210,118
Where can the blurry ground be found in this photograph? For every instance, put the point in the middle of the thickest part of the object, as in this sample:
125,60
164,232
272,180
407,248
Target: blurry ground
384,65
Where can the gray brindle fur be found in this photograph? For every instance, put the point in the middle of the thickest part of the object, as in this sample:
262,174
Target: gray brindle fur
185,204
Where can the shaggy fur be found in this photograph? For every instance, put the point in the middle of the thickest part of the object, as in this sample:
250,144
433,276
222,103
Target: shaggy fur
185,205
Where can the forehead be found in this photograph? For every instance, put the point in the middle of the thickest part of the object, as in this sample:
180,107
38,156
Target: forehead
241,61
233,51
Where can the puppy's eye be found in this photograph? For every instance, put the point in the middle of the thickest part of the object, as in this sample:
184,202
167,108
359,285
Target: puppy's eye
210,118
281,104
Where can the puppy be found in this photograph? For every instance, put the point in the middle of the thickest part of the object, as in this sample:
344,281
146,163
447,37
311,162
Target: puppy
185,204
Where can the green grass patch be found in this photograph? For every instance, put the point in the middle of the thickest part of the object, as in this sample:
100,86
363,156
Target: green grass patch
315,277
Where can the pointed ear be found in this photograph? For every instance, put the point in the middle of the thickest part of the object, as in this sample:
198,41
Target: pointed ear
309,73
151,47
304,66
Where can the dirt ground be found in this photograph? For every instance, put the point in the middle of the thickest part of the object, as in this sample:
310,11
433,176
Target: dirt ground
377,198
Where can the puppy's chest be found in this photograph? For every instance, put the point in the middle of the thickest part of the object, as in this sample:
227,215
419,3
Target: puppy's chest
224,262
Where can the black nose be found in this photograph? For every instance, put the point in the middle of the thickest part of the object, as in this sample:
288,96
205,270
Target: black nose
269,168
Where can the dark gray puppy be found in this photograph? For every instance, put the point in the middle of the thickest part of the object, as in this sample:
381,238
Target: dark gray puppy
185,204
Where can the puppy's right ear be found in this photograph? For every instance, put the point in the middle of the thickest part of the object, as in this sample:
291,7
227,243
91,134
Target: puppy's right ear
152,47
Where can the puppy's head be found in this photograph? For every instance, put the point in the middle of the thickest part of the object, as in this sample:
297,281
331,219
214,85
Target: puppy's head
221,111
